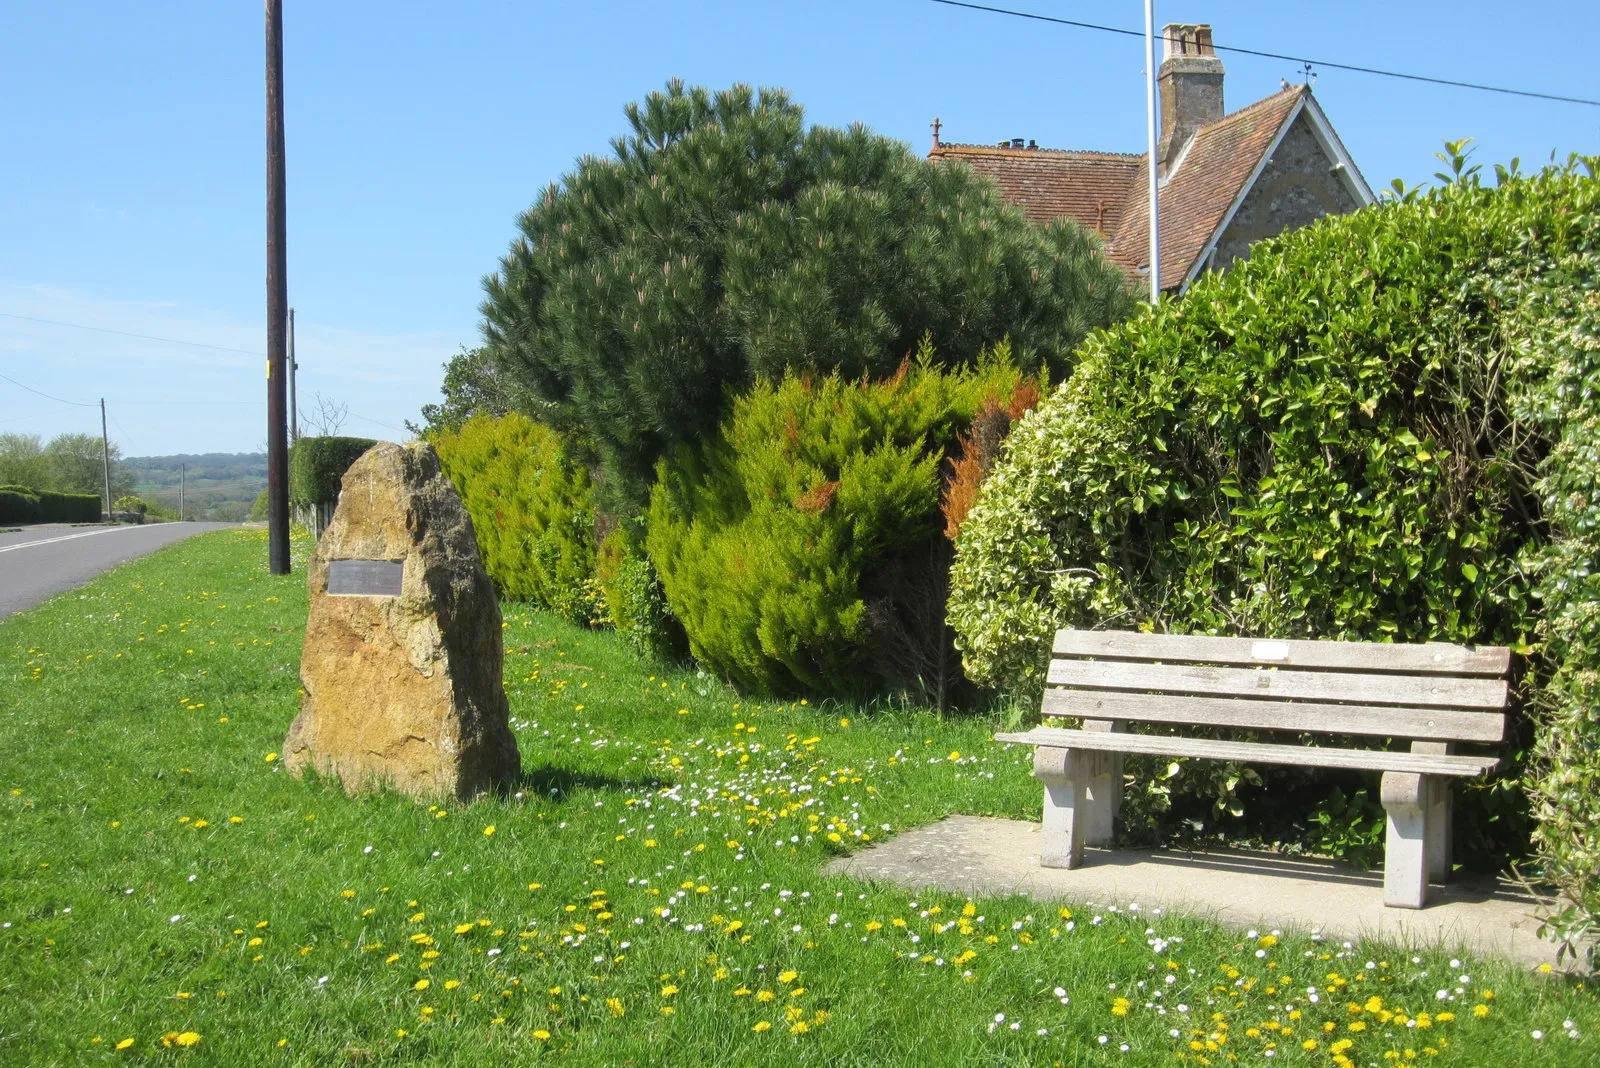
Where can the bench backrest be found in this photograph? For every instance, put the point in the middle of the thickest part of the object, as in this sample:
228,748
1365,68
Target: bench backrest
1433,692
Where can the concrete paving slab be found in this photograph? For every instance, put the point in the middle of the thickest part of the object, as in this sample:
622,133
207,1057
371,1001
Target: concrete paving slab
1241,888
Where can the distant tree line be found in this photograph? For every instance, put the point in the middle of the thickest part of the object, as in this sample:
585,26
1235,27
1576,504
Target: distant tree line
68,463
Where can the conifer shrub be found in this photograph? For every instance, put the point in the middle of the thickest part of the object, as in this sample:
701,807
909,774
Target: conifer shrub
724,240
802,546
532,510
1349,435
130,503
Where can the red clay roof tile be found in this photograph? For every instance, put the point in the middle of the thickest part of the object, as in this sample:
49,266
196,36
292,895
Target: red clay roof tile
1106,192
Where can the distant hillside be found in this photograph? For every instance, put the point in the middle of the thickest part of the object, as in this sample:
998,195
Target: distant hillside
217,485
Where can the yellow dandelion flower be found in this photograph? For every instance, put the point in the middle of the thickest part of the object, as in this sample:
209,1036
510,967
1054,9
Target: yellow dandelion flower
463,928
451,984
347,893
1480,1010
125,1043
787,977
668,990
765,995
761,1025
270,757
488,831
421,984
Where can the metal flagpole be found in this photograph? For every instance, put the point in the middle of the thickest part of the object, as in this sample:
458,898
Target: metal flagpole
1150,133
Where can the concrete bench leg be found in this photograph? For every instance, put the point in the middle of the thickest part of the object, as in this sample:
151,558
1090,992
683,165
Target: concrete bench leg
1073,813
1105,794
1438,829
1408,803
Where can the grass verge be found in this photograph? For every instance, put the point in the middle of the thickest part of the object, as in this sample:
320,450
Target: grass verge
650,895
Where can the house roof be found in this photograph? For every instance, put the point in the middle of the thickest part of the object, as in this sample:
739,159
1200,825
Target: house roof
1107,192
1049,183
1213,172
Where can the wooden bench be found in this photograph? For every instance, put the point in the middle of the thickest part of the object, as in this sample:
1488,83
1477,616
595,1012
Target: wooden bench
1433,695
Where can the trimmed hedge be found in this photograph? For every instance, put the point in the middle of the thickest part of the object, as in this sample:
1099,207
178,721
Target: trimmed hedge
802,546
317,464
49,506
18,505
1344,437
532,509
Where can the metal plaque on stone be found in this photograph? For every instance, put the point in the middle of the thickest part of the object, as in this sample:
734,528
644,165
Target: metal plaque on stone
365,578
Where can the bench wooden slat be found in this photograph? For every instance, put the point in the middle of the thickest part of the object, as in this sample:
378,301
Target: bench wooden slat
1434,658
1420,723
1256,752
1280,684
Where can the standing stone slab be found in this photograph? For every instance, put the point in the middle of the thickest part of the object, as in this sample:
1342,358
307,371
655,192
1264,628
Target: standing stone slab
402,659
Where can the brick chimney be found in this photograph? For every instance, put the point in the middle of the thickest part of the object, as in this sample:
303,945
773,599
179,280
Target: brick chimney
1190,80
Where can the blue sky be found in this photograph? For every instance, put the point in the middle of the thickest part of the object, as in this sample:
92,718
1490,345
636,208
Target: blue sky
131,195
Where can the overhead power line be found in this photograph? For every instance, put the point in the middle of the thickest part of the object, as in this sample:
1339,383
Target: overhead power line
143,403
1279,55
125,333
58,400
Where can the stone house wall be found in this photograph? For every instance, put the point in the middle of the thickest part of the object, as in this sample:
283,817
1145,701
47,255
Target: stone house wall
1298,186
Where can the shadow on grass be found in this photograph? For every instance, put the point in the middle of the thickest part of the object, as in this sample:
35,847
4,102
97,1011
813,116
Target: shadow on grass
552,780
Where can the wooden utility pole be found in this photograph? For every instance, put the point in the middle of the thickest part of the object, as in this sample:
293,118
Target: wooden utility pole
180,492
294,405
105,455
277,304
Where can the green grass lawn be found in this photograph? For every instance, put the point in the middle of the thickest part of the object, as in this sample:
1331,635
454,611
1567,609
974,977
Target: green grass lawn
651,894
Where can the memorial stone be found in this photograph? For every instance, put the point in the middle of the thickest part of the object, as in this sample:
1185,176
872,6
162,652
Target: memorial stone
402,660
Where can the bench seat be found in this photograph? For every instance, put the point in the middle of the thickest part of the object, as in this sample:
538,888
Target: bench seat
1432,695
1307,756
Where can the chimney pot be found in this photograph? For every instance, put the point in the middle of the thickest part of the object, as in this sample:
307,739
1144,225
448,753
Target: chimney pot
1016,142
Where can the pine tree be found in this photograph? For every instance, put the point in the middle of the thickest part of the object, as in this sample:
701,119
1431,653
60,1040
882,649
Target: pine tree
724,242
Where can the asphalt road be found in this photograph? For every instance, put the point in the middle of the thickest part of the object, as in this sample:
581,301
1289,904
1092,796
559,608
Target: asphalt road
40,562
